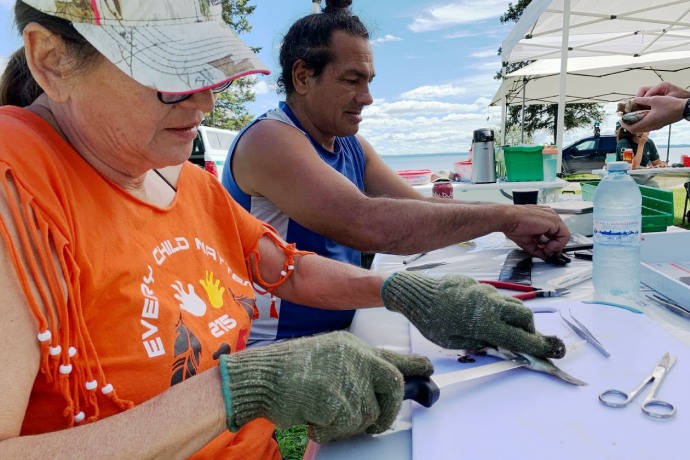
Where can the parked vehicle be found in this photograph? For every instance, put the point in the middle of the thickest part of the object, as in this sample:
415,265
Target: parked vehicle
211,148
588,154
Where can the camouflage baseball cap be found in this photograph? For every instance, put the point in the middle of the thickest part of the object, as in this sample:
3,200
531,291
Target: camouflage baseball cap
173,46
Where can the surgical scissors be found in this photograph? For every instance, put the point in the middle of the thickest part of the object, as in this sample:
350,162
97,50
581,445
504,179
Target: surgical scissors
650,405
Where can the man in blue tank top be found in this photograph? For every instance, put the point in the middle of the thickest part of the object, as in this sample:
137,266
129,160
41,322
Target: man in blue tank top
304,169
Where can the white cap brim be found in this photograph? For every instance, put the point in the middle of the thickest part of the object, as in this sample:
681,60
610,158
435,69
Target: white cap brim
177,58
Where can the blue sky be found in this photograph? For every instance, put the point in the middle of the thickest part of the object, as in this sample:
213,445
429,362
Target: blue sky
435,61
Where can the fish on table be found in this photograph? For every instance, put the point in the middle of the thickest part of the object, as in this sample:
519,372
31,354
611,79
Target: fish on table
427,390
534,363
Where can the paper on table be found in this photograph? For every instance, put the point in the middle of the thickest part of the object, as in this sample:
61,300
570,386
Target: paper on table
522,413
573,277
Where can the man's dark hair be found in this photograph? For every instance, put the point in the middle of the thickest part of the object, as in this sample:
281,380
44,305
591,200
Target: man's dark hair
309,39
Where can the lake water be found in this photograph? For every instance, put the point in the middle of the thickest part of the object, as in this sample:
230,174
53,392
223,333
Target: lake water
438,161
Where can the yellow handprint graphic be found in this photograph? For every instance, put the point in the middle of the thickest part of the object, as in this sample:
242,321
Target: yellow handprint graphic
213,290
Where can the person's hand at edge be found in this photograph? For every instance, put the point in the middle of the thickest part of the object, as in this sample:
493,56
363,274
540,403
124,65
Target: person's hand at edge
663,110
663,89
666,103
335,383
457,312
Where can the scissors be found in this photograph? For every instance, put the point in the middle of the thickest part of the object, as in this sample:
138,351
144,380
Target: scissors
529,292
650,406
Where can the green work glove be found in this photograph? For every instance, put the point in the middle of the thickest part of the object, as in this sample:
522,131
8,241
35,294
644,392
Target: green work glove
458,312
334,382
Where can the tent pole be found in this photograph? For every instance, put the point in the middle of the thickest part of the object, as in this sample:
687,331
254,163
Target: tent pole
522,114
504,105
668,143
564,73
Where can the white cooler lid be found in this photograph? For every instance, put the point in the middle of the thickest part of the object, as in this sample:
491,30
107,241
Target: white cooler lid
572,207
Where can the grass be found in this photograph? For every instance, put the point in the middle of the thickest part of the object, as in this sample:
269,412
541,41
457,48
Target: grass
292,442
678,199
678,204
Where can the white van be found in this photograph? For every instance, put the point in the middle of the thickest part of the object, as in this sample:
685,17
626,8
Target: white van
211,148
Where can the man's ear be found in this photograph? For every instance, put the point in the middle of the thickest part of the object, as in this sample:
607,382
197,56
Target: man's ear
300,76
46,57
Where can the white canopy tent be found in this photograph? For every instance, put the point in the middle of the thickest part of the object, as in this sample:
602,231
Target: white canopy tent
592,79
612,29
599,28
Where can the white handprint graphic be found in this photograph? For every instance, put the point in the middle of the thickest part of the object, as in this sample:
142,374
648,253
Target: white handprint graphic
189,301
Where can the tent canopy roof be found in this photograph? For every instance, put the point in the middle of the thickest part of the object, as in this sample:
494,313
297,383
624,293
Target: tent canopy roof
599,28
593,79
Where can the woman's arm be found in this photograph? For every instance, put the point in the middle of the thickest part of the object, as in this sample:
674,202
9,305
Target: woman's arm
174,424
639,153
321,282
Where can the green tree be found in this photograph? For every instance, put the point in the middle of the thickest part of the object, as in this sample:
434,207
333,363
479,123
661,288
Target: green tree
543,117
230,111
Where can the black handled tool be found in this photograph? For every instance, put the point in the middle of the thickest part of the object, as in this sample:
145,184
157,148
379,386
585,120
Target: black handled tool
426,391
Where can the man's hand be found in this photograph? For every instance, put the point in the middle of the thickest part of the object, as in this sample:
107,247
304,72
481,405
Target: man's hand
538,230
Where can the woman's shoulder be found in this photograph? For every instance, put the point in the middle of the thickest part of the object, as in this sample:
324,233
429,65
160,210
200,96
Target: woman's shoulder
28,141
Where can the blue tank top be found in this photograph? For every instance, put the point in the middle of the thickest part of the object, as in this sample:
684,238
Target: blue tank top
290,319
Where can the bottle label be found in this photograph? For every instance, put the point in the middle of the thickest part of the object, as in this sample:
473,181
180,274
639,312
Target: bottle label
622,232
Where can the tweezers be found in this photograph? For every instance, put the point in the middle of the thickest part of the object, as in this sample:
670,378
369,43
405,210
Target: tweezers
581,330
669,305
426,266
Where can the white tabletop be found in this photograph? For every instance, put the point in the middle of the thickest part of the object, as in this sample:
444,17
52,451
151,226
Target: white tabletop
499,192
481,259
666,178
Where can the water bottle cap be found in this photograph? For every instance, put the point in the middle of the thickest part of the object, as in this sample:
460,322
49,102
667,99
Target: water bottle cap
618,166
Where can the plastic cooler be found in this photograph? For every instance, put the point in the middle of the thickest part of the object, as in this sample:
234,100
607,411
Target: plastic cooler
523,163
657,206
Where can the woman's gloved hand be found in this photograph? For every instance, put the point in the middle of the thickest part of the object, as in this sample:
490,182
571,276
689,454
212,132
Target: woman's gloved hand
458,312
334,382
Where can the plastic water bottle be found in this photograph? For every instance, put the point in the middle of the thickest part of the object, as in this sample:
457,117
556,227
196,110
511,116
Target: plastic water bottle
617,222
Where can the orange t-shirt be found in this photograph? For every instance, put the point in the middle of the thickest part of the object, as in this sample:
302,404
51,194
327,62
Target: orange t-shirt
154,295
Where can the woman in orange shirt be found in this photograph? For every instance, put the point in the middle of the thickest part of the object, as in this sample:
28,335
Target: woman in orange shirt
128,274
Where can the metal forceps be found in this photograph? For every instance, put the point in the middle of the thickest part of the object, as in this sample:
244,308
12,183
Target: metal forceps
581,330
650,405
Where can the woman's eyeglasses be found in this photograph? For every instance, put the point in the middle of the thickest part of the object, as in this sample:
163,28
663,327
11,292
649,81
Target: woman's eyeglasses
172,98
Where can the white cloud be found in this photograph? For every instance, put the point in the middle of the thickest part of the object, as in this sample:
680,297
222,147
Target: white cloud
435,92
410,107
386,38
264,87
493,53
458,34
457,13
6,4
417,126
